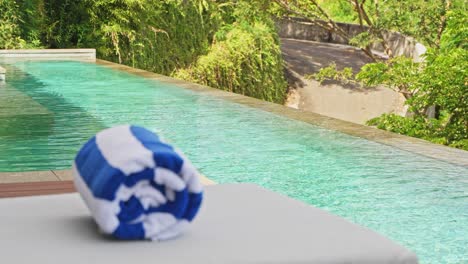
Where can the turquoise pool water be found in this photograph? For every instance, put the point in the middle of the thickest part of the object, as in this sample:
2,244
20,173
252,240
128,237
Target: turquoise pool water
420,202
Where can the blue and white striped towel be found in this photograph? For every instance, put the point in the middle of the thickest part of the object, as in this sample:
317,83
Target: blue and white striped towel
136,186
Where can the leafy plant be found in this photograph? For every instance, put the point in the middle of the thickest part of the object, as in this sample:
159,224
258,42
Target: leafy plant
9,26
439,83
332,73
246,60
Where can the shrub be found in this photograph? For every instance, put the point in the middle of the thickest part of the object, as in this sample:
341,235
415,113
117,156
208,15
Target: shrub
9,26
245,60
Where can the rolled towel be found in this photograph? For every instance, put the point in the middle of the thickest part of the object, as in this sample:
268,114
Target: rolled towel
135,185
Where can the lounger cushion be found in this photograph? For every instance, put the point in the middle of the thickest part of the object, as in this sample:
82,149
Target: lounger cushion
238,223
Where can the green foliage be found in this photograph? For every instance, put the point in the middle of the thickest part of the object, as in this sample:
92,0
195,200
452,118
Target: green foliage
432,129
364,39
444,83
33,22
456,33
9,26
340,10
245,56
419,19
331,72
413,126
440,81
165,36
64,23
154,35
245,60
399,73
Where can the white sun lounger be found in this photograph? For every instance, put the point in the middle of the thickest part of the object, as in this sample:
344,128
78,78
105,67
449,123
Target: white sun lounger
238,223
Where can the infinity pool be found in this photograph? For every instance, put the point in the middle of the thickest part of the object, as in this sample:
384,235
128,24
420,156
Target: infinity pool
419,202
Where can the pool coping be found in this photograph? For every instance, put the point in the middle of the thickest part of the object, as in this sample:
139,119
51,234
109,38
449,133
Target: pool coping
48,54
417,146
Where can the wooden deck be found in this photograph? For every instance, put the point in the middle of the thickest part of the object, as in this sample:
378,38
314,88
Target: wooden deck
35,188
45,182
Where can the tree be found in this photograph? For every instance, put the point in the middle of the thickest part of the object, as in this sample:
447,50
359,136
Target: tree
440,80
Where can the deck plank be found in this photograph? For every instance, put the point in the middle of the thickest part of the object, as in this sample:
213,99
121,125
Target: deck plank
35,188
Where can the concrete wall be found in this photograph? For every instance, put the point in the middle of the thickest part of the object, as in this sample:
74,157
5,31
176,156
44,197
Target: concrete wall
68,54
296,28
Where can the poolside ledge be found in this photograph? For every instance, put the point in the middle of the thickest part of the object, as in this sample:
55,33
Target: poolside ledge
49,54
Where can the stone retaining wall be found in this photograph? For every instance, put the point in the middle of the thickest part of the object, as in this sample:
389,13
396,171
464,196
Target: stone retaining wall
296,28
